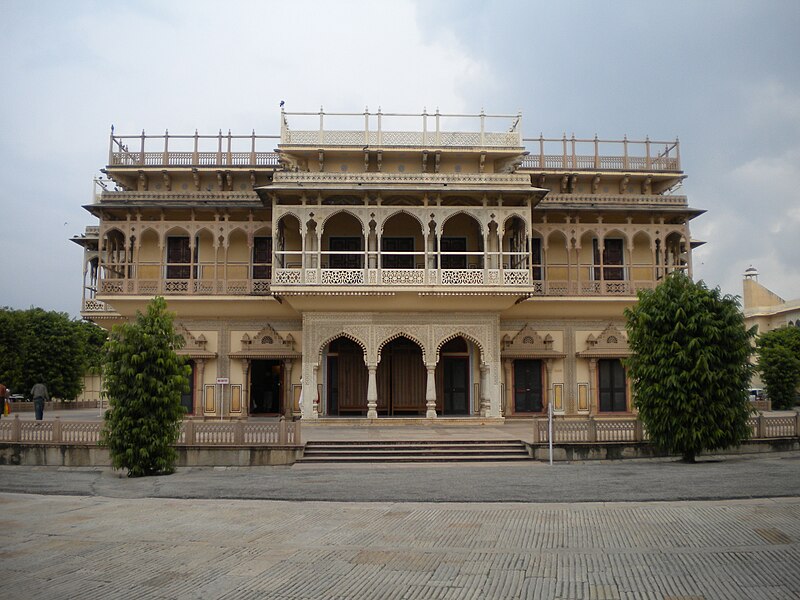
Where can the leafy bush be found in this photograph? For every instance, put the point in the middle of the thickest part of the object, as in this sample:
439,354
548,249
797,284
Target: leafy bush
779,363
144,379
690,369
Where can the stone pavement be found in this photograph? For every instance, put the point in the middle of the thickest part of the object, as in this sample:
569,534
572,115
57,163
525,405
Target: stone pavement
723,477
98,547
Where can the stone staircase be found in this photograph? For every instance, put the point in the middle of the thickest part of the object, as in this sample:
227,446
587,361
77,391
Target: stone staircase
345,452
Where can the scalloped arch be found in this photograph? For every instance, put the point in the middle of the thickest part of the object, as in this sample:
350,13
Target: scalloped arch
406,335
335,336
461,212
466,336
404,212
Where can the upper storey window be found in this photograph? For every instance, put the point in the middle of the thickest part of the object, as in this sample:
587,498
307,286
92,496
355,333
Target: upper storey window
397,244
262,257
179,257
613,260
348,253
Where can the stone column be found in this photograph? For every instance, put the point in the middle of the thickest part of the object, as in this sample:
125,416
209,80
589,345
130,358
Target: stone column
288,397
509,387
593,392
246,386
485,407
200,365
430,393
372,393
548,376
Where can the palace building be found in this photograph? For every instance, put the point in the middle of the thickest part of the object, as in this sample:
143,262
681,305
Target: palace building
380,265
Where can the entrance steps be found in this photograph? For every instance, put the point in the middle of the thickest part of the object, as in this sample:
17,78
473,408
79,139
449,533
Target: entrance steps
343,452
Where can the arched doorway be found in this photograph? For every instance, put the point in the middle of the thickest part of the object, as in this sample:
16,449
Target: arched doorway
453,378
346,378
401,379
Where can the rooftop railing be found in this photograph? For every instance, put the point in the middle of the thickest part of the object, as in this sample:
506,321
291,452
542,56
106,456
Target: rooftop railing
601,155
380,129
397,130
192,150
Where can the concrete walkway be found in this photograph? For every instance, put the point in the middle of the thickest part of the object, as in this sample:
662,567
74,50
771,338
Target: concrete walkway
722,477
106,548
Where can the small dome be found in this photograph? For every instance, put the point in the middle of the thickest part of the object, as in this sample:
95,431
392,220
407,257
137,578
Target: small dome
751,271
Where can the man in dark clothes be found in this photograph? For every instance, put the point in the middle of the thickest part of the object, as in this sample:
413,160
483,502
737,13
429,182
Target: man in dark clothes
4,394
40,396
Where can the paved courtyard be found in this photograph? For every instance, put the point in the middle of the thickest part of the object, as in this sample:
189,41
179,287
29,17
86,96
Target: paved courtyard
99,547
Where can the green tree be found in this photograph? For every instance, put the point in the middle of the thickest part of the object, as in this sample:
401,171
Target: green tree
43,346
144,379
690,366
779,363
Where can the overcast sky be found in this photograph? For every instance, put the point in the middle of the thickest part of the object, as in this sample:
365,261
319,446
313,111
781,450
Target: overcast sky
723,76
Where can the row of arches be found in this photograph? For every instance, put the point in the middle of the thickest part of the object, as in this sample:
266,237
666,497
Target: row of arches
402,383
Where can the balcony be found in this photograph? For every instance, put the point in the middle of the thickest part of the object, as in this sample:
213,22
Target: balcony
437,130
198,151
395,279
574,154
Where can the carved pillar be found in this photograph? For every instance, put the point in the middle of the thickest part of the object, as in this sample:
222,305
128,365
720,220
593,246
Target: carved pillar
246,386
430,393
548,383
372,246
372,393
485,400
509,387
593,392
288,397
200,367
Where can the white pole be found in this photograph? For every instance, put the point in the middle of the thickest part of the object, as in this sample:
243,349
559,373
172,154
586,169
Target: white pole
550,429
221,400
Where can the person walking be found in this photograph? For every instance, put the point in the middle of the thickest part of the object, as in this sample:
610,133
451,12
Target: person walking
40,396
4,395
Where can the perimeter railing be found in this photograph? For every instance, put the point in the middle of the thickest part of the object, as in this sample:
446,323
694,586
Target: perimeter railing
192,433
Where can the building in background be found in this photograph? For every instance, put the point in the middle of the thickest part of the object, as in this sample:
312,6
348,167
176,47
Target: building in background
767,311
397,265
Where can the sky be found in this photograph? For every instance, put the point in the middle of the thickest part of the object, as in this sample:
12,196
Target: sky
721,75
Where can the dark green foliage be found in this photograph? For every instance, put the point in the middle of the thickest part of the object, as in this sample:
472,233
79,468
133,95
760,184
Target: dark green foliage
779,363
144,380
690,368
37,346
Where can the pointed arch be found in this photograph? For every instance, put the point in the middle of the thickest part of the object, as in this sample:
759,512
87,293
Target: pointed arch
466,336
404,334
335,336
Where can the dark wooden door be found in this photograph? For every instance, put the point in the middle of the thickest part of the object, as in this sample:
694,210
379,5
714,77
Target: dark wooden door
266,386
528,386
401,379
187,399
397,261
455,380
345,261
454,244
262,258
347,379
611,376
178,255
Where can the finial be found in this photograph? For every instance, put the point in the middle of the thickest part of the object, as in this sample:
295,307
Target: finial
112,129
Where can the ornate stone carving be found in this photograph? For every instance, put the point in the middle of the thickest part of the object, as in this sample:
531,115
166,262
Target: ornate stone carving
610,343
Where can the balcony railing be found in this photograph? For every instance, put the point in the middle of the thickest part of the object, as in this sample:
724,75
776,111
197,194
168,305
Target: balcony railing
192,150
427,130
595,154
184,287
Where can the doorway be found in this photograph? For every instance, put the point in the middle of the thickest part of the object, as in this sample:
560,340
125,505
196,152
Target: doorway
401,379
347,378
266,386
452,378
612,385
187,399
528,386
